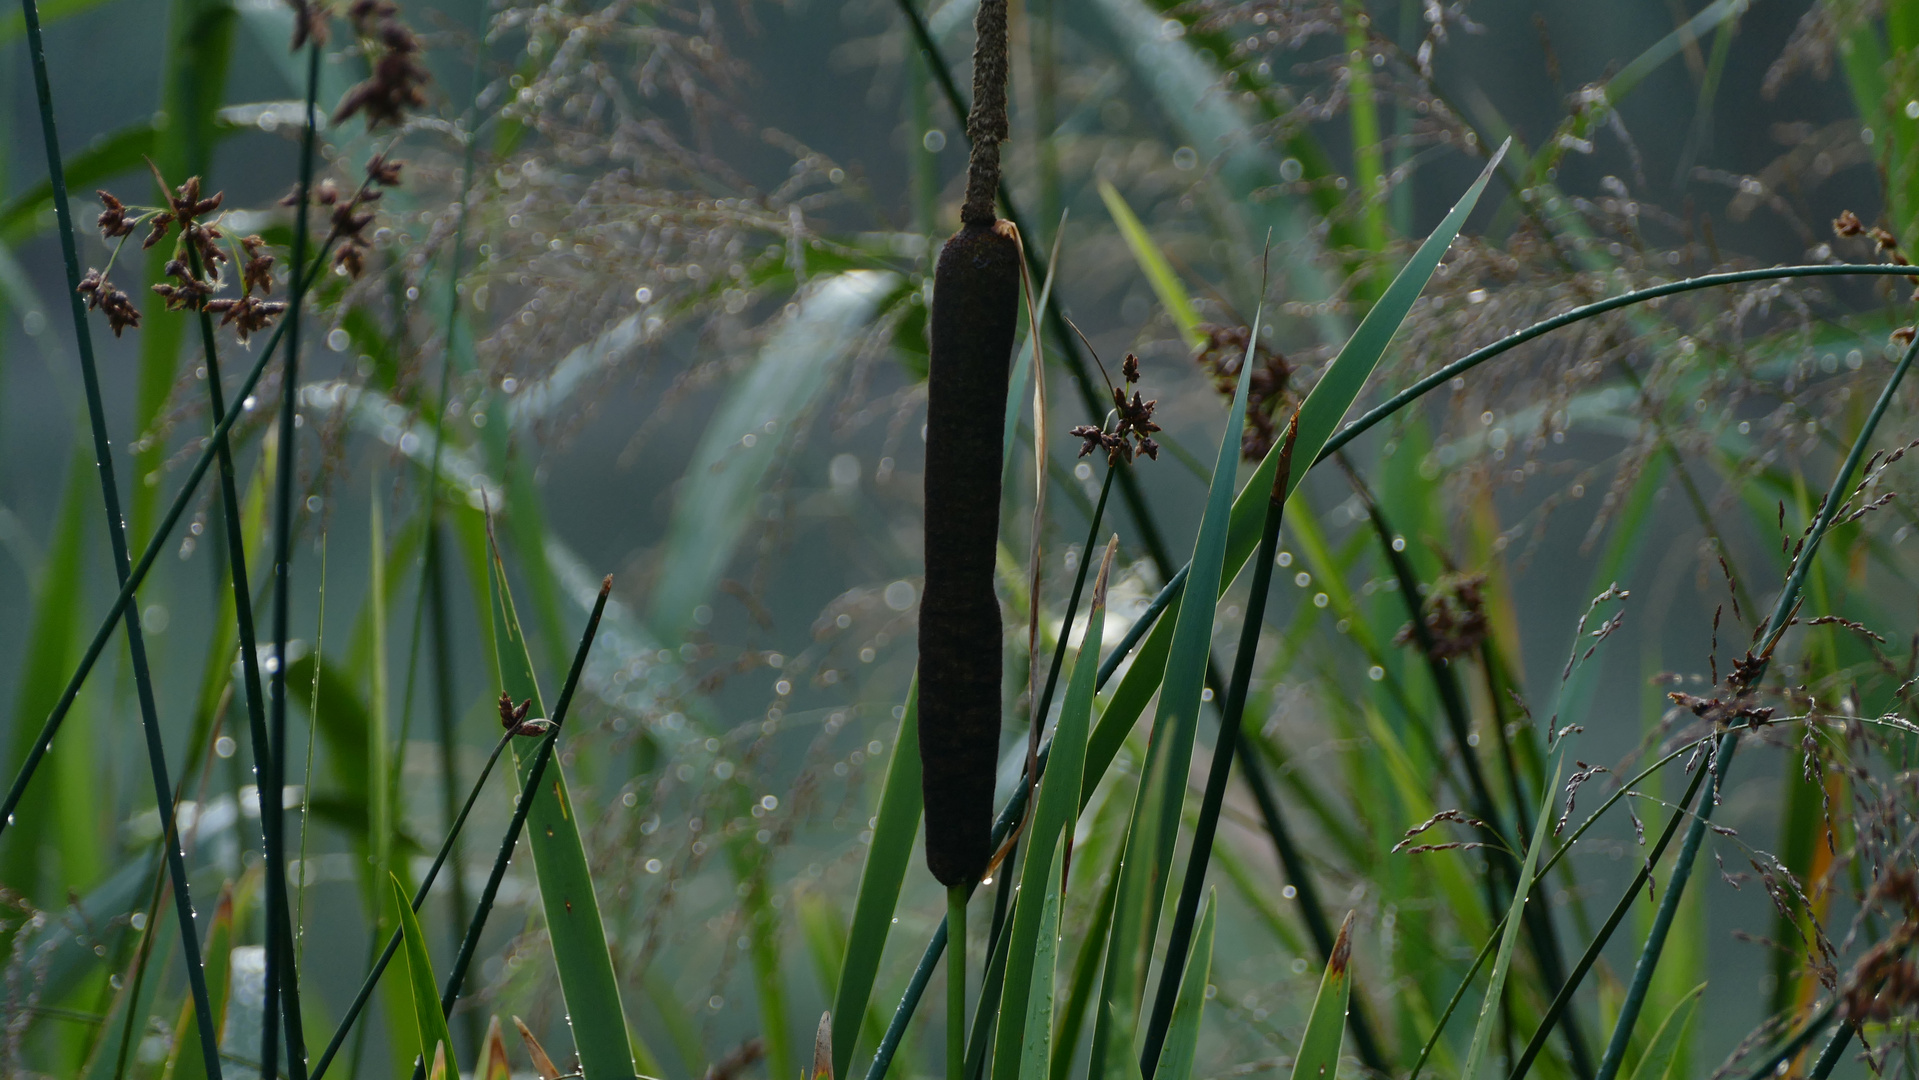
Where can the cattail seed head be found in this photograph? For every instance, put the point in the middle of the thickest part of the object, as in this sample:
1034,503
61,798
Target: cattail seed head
975,311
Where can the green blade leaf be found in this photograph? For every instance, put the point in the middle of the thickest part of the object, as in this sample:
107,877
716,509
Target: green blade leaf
887,858
429,1021
1182,1035
1661,1059
1036,1048
580,949
1326,1027
1489,1010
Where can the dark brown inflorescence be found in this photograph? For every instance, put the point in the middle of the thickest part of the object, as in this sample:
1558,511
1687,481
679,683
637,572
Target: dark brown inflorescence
975,312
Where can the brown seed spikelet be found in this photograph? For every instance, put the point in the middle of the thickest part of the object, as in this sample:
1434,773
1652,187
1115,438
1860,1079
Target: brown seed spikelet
975,311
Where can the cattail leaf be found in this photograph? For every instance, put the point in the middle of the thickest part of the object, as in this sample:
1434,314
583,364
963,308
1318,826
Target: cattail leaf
1325,1035
1079,991
1035,1053
887,858
1661,1060
742,442
1053,814
438,1071
1152,262
1319,415
429,1021
1489,1010
1182,1035
578,937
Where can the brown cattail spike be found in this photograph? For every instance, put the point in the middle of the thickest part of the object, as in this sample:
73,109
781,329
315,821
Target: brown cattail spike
975,311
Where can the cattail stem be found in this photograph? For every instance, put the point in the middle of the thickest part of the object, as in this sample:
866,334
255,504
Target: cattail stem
956,983
986,124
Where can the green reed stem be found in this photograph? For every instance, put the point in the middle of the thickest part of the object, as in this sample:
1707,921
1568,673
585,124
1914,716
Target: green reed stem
1542,935
956,983
122,565
1774,627
1836,1049
279,924
278,959
419,898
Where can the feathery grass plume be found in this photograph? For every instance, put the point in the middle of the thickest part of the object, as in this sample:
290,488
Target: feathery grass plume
975,309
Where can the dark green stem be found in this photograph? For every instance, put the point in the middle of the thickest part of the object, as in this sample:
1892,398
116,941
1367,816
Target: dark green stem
279,959
956,983
279,924
122,564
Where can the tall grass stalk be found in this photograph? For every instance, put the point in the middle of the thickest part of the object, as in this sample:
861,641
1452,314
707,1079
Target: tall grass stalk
122,565
281,979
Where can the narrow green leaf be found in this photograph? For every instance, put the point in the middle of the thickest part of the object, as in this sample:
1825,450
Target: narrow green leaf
1661,1061
429,1021
887,857
1325,1034
1152,262
1182,1035
1036,1049
580,950
1489,1010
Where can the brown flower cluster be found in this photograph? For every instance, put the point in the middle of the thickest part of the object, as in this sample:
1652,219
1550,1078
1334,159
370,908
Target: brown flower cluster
351,216
1455,616
399,77
194,270
101,294
513,717
1133,429
248,313
1221,357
